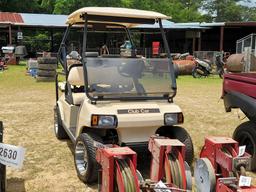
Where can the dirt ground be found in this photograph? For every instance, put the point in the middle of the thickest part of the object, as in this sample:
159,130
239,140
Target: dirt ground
26,108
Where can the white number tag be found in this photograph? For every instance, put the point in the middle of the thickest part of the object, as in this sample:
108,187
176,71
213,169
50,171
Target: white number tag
241,150
245,181
11,155
161,187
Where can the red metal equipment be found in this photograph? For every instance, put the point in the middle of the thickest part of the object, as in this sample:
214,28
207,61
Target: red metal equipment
220,160
168,162
119,168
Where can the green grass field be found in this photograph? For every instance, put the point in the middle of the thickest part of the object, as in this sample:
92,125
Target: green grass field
27,112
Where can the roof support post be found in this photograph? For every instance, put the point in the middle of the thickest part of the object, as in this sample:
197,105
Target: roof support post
10,34
199,41
166,46
51,32
194,44
221,37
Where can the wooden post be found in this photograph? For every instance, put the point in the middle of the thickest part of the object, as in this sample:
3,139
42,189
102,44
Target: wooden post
10,34
221,38
199,41
51,40
2,167
194,44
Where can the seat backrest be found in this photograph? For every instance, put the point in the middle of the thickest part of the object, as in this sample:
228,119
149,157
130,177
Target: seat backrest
76,76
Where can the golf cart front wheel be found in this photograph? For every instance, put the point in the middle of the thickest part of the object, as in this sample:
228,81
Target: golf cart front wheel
85,157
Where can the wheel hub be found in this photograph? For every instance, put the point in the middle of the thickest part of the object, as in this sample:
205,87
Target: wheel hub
204,175
81,158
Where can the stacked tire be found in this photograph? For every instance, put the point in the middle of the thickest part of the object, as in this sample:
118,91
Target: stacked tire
46,69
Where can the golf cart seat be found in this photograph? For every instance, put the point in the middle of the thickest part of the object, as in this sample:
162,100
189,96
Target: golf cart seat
78,98
76,78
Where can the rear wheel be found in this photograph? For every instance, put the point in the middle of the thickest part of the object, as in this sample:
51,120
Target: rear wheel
195,74
85,157
245,134
59,131
182,135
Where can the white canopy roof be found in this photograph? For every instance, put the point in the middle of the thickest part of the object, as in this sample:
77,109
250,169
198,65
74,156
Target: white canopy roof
75,17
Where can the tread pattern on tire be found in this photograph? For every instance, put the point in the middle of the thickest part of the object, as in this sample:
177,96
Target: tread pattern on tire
47,66
250,128
61,131
92,174
47,60
45,79
46,73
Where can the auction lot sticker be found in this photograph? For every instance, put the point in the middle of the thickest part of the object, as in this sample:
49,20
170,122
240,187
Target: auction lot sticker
11,155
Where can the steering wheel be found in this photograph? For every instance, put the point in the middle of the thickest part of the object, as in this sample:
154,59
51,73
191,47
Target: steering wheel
121,71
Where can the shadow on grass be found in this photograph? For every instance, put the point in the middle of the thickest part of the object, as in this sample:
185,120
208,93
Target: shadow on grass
15,184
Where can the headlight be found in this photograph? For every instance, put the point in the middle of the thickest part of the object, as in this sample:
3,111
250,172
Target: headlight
104,121
173,118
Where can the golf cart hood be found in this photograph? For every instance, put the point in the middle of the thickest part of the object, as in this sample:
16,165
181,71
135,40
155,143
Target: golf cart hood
136,120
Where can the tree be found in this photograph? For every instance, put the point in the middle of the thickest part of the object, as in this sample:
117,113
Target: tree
226,10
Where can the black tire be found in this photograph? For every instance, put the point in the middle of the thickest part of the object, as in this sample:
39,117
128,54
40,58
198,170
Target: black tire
86,167
182,135
245,134
45,79
47,66
46,73
47,60
195,74
59,131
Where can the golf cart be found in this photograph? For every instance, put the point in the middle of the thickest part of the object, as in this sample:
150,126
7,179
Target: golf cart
115,99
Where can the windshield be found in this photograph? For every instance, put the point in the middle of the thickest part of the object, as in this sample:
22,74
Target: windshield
128,77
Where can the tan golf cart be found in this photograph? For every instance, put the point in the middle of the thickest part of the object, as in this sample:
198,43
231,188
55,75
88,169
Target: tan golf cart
119,98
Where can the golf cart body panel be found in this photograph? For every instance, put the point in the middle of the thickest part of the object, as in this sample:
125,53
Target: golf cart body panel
136,121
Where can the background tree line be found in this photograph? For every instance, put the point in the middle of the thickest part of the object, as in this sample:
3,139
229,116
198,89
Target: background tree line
179,10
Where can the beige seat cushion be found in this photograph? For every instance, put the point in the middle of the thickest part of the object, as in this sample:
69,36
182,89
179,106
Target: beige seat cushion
78,98
76,76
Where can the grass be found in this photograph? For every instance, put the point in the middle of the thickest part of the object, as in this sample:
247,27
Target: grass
27,112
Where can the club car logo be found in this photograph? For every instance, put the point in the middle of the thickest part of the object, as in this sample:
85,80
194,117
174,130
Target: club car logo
137,111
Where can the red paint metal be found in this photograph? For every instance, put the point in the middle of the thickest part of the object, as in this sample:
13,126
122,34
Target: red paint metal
223,163
6,17
213,151
155,47
160,147
241,82
106,157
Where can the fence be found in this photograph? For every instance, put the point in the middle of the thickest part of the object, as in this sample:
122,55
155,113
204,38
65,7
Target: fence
248,41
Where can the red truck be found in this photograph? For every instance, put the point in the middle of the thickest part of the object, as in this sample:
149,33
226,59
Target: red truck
239,91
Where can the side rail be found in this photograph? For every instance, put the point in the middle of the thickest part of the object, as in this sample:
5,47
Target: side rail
2,167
